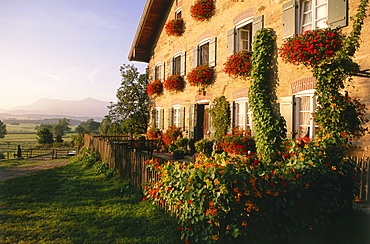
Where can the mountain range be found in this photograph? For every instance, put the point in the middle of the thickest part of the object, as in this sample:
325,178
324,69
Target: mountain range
52,108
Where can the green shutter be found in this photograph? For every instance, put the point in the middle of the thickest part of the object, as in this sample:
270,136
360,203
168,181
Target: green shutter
231,42
337,13
154,113
289,19
182,118
163,72
257,25
212,51
195,57
183,64
161,119
170,116
171,65
192,122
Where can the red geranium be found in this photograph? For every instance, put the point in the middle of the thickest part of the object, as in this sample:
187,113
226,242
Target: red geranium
202,10
155,88
174,83
238,64
175,27
311,47
201,76
240,142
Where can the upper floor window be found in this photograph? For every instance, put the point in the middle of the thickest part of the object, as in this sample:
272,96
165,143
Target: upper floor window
177,64
314,15
158,71
178,14
205,53
302,15
241,36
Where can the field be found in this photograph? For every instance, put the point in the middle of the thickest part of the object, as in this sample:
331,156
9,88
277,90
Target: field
23,135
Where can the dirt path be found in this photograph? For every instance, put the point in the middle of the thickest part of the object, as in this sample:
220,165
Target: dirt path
20,171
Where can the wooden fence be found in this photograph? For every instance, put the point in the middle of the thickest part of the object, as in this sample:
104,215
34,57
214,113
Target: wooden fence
127,157
363,179
129,162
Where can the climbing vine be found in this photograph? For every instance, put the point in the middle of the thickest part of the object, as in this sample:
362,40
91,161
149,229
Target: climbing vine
268,128
221,117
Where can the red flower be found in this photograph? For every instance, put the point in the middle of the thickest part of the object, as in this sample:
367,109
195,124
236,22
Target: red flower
155,88
175,27
201,76
238,64
202,10
174,83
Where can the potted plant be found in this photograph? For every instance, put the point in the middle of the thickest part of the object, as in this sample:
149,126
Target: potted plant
175,27
202,10
155,88
174,83
202,75
239,64
311,47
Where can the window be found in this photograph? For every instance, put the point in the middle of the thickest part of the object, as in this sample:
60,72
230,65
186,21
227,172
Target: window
241,36
178,14
158,72
158,118
205,53
242,116
314,15
302,15
177,116
177,64
305,106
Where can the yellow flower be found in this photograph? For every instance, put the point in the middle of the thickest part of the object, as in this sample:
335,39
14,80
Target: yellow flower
215,237
216,182
334,168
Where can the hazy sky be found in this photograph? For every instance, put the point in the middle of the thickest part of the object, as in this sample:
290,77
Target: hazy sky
64,49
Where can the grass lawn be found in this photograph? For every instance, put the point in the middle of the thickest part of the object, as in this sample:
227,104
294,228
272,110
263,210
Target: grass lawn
11,163
77,204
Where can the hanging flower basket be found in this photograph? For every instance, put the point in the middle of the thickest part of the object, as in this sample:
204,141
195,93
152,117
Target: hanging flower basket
202,75
202,10
175,27
238,64
311,47
155,88
174,83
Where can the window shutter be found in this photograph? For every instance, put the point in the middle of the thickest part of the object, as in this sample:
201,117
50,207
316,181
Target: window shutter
212,129
195,57
295,117
161,119
231,42
257,25
182,118
212,52
289,19
153,73
154,113
183,64
170,116
171,65
192,123
163,71
337,13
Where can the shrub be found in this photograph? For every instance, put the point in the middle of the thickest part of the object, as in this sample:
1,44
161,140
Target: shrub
239,142
175,27
155,88
171,134
202,75
174,83
202,10
311,47
239,64
204,146
88,156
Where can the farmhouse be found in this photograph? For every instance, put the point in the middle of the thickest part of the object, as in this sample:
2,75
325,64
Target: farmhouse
174,40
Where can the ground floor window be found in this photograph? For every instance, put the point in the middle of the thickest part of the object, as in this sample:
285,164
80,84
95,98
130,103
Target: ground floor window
305,106
242,116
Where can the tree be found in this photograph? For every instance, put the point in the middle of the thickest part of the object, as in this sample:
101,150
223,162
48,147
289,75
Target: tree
2,129
87,127
131,112
44,135
60,128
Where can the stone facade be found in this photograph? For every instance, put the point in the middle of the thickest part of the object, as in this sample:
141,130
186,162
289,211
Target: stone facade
293,80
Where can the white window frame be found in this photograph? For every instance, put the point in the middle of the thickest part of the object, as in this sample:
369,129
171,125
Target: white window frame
176,116
178,13
311,127
200,45
177,56
316,23
247,114
158,117
240,28
159,71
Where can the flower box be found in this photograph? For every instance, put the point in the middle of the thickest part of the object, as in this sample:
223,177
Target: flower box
155,88
239,64
311,47
202,75
202,10
175,27
174,83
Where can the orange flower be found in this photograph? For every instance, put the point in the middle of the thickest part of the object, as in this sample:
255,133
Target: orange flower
244,223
